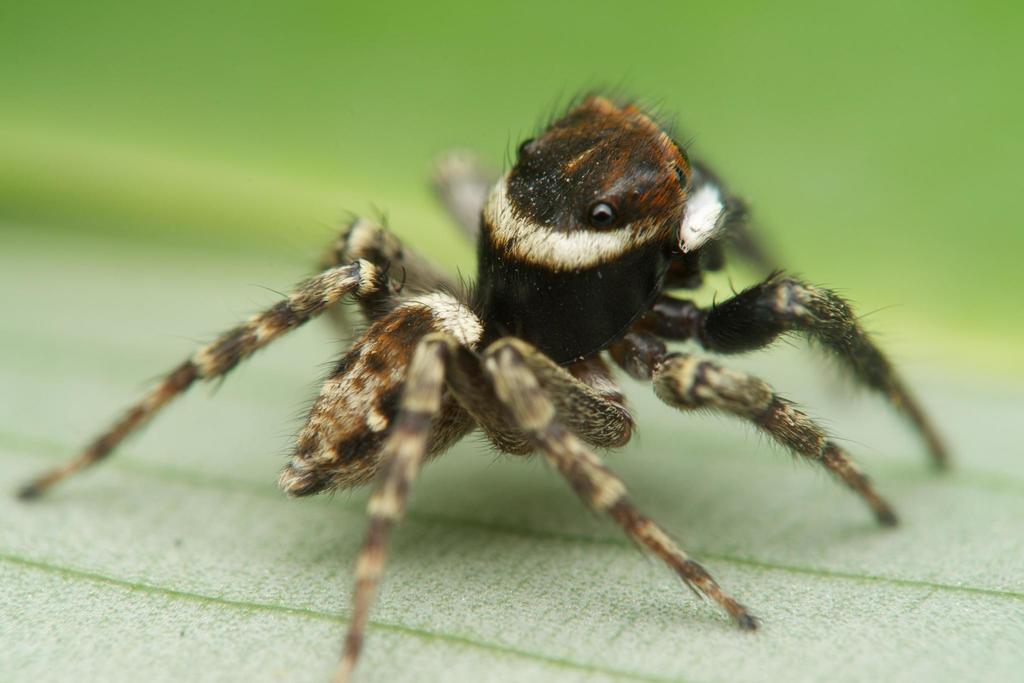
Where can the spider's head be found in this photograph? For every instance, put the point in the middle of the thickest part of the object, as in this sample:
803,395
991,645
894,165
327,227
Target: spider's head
601,182
577,237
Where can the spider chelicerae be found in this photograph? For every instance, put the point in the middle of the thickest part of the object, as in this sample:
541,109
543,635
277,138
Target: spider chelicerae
578,245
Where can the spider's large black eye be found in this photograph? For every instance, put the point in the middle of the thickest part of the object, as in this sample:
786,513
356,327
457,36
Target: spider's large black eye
601,215
524,145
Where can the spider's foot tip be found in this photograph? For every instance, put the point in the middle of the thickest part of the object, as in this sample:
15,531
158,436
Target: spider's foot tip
887,518
29,492
747,621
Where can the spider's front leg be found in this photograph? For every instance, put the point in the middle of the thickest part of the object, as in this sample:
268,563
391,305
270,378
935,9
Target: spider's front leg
505,391
533,412
586,399
403,453
689,383
755,317
365,281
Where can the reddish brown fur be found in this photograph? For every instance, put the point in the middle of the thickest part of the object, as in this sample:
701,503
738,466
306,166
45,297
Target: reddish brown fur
632,162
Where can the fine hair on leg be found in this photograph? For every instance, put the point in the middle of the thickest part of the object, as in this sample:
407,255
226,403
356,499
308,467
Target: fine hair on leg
403,454
518,389
361,279
370,240
757,316
689,383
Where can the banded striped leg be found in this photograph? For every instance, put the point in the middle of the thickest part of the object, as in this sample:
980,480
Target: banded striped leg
369,240
755,317
585,397
689,383
404,452
517,388
362,279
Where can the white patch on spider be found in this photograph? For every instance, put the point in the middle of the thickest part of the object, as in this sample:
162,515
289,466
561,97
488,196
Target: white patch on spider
453,316
540,245
368,273
376,420
703,218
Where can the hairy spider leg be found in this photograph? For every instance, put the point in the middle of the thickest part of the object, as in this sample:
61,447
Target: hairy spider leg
586,398
367,239
404,451
341,442
514,399
757,316
519,391
689,383
361,279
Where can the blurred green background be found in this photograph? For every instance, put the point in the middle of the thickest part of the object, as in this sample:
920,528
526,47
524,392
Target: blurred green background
879,142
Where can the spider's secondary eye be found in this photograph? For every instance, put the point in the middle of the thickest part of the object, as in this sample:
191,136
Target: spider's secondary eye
523,145
601,215
680,177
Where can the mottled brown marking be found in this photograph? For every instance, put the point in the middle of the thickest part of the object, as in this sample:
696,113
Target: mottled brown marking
340,445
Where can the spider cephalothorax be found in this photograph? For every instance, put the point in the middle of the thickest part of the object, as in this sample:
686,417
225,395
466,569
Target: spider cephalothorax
577,238
578,244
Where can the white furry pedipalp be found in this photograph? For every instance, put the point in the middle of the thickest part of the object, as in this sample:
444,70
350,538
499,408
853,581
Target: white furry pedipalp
703,218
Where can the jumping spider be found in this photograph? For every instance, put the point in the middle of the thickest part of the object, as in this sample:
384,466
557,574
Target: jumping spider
578,243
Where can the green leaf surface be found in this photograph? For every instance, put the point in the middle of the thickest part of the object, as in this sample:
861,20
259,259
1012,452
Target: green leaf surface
179,560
